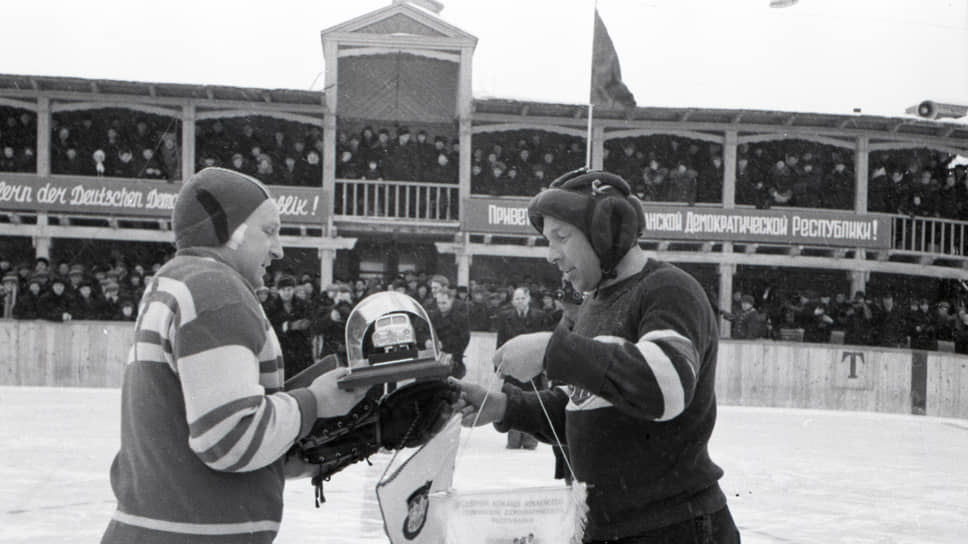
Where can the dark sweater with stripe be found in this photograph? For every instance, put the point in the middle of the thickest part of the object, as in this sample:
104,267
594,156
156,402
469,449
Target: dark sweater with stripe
639,407
204,421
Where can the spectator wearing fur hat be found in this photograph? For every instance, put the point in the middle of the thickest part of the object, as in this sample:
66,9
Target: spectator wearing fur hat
748,323
837,189
170,156
681,185
215,432
290,317
84,304
147,166
110,301
28,300
639,360
402,164
921,326
55,304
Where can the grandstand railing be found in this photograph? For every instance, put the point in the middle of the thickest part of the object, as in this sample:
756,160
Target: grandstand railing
929,235
396,199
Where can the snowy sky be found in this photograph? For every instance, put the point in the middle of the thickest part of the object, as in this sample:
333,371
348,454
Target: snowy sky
819,55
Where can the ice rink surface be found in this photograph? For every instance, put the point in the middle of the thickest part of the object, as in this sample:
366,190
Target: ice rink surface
797,476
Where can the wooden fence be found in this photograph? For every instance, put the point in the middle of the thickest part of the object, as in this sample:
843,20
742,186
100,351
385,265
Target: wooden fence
749,373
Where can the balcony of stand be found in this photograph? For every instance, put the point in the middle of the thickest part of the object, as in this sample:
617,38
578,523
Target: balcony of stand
404,206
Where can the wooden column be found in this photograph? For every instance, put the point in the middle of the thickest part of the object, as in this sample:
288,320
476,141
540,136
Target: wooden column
331,103
861,173
729,169
326,258
464,260
188,141
43,136
725,301
42,242
858,279
464,101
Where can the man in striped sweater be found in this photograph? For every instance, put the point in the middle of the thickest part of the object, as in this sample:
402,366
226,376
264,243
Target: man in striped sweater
639,362
205,423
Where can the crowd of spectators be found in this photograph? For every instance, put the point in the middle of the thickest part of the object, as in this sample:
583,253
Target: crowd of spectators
797,173
18,134
275,151
71,291
884,320
923,184
376,154
521,163
115,142
82,291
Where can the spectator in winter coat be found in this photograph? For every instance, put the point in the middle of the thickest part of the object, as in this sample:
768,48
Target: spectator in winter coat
921,326
837,189
478,314
452,328
290,317
110,302
889,324
961,332
83,304
28,301
681,185
55,305
170,156
748,323
521,318
807,189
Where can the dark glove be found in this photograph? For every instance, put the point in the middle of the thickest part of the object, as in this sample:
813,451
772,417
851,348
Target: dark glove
406,418
413,414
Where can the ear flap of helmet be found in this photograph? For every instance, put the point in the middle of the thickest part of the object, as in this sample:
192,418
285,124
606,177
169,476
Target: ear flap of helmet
614,227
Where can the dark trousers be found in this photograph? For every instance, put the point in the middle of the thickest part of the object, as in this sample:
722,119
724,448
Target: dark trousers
715,528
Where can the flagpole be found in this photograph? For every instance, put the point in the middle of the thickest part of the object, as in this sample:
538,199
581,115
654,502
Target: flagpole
591,106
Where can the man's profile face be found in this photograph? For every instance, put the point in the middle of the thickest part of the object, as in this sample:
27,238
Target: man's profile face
260,244
572,253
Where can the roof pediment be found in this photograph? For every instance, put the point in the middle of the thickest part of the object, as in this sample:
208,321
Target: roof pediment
401,19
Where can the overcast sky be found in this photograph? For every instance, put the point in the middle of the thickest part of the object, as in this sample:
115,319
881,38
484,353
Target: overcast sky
819,55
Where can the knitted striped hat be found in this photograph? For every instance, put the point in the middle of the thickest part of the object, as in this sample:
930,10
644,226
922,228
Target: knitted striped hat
212,204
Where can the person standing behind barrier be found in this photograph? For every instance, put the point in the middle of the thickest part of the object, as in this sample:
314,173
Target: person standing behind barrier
290,319
748,323
640,362
453,330
205,423
521,318
889,324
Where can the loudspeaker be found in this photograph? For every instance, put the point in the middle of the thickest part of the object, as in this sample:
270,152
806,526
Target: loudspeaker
930,109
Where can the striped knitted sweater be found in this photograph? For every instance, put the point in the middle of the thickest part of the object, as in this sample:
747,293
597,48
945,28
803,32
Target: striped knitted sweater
204,421
640,363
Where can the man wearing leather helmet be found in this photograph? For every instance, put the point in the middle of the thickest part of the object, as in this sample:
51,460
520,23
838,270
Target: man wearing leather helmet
639,362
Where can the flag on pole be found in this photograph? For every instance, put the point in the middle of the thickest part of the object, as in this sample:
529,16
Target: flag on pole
607,88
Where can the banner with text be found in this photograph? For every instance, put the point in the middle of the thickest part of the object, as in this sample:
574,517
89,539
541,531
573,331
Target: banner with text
133,198
791,226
